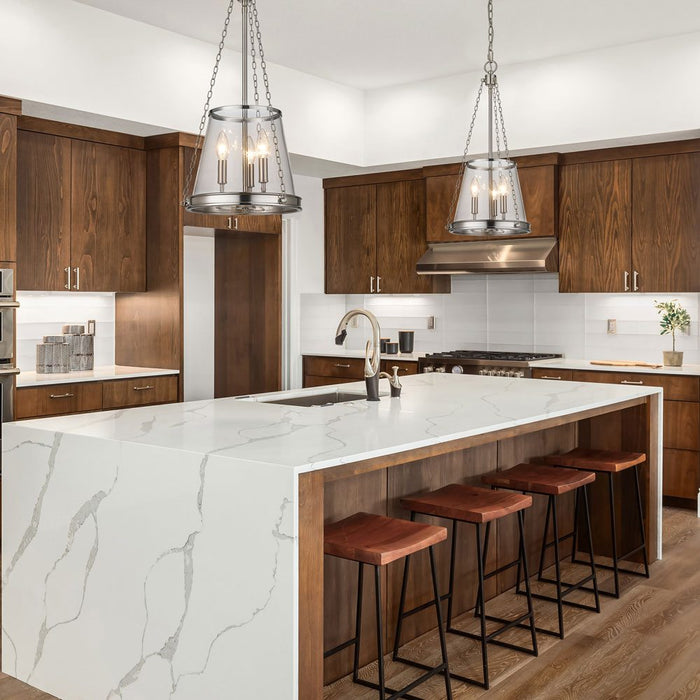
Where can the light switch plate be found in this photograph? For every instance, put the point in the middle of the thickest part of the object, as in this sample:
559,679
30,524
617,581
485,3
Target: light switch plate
612,326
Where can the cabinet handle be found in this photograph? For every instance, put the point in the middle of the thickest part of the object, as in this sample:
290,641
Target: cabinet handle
337,364
635,280
378,289
625,381
67,271
371,285
77,278
61,396
143,388
544,376
627,281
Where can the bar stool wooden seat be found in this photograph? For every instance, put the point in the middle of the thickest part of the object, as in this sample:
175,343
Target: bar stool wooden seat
552,482
609,462
478,506
377,540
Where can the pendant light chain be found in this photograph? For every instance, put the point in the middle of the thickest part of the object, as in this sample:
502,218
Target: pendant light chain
268,96
205,112
499,116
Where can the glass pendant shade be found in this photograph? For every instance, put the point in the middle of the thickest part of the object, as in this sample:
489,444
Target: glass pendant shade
490,200
244,167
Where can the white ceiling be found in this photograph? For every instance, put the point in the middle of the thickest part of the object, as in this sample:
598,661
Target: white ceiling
373,43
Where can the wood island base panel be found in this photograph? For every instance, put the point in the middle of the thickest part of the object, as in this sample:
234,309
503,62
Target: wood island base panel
176,551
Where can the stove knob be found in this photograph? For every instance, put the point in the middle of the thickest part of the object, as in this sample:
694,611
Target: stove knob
457,369
441,368
500,372
428,368
509,373
483,372
492,373
520,375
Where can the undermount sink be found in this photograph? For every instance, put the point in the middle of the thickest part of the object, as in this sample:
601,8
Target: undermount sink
326,398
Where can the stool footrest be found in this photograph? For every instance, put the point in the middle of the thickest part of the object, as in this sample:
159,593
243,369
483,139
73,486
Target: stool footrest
424,606
404,692
340,647
500,569
491,640
561,539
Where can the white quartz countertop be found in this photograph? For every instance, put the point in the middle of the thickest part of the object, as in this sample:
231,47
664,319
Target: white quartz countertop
341,352
98,374
433,408
564,363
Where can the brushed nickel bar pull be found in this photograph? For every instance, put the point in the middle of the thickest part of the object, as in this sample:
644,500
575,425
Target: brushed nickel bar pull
627,281
371,285
77,278
343,366
635,281
378,288
625,381
143,388
67,271
61,396
544,376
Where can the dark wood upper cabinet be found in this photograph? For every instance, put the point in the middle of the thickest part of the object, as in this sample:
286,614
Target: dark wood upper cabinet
8,187
666,223
595,227
108,211
375,235
539,186
81,215
43,211
351,239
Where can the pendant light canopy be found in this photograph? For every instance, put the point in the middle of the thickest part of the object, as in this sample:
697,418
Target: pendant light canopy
244,166
488,200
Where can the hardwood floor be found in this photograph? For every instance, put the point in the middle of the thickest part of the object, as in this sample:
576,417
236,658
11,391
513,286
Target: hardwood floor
644,646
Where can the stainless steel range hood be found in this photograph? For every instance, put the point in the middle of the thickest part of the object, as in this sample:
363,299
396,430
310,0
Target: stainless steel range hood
470,257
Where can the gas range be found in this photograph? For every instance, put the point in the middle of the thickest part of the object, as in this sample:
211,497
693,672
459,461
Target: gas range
494,364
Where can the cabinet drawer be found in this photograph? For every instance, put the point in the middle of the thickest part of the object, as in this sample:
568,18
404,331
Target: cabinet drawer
682,425
142,391
681,473
405,368
57,399
675,388
562,374
343,367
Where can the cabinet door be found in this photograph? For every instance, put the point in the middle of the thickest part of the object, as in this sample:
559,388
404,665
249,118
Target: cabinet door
8,187
666,223
108,207
351,239
595,226
401,238
43,211
539,188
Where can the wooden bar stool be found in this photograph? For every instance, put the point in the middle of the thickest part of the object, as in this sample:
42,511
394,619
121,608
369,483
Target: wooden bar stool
552,482
609,462
475,505
378,540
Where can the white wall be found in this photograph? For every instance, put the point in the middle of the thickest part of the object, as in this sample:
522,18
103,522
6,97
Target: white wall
639,89
64,53
509,312
43,313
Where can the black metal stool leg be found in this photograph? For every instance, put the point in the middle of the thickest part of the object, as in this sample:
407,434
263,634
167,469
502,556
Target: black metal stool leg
590,545
613,531
640,511
574,531
358,623
477,610
402,603
544,538
557,566
441,630
482,609
523,560
451,587
380,635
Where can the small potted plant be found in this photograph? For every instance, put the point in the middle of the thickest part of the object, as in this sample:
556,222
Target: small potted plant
673,318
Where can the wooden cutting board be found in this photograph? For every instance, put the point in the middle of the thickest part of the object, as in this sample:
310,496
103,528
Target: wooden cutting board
624,363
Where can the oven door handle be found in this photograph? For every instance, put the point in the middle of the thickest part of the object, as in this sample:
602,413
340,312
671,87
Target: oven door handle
8,370
8,304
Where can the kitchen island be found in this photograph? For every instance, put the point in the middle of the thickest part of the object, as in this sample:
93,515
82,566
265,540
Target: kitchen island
177,551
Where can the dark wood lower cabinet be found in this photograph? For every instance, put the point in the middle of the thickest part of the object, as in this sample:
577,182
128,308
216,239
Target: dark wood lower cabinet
141,391
681,434
321,370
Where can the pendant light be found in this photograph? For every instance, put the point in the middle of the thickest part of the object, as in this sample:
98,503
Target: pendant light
244,166
488,197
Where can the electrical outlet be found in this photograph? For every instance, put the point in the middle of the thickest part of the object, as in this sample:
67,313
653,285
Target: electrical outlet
612,326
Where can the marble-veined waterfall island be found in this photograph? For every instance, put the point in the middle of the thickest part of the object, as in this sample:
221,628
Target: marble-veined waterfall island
176,551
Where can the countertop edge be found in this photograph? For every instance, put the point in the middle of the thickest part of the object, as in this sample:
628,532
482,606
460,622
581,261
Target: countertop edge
99,374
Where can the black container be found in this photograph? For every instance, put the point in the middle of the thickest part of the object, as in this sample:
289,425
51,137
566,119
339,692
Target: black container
382,344
392,348
406,341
